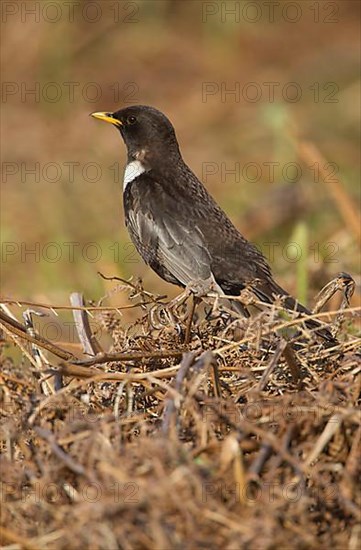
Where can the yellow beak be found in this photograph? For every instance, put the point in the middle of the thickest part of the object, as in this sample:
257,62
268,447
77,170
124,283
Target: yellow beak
107,117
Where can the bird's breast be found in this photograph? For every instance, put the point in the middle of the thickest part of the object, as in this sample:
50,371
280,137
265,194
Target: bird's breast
133,170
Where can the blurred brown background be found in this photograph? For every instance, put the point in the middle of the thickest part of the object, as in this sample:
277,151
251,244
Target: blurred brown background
244,84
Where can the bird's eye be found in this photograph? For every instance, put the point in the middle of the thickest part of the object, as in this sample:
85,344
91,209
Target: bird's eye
131,120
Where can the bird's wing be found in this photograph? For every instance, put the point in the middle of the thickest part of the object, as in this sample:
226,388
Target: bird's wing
176,244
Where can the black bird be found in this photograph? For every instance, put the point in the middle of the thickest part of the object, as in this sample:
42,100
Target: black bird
175,224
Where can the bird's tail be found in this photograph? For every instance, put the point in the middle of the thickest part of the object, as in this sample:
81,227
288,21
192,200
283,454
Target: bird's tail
268,292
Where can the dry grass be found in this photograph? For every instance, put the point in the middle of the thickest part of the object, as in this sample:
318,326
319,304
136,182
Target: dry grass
217,444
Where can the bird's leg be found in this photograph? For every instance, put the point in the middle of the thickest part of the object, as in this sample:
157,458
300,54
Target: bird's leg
194,303
196,289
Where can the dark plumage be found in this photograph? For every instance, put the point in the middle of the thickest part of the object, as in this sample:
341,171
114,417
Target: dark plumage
175,224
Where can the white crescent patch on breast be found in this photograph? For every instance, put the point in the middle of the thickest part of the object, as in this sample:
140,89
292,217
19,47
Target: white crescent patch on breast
132,171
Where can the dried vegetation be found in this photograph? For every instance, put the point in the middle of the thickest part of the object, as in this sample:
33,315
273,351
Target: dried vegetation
247,436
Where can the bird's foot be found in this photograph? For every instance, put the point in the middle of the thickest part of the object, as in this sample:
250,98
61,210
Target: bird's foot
203,287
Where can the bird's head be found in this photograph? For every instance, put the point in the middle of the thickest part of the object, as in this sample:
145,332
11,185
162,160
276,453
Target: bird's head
147,133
